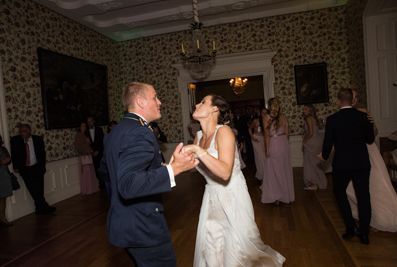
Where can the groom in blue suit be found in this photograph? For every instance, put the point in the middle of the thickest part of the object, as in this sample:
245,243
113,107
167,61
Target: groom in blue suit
132,163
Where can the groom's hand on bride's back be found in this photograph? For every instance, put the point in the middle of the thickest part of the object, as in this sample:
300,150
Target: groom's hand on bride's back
182,161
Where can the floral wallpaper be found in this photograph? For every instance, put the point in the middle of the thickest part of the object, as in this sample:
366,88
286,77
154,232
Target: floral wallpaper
24,26
300,38
355,34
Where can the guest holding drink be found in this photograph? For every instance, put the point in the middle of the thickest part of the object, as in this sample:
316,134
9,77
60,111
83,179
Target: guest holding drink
278,183
313,174
88,181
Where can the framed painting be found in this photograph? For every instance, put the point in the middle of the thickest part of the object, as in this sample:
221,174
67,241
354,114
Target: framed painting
311,83
72,89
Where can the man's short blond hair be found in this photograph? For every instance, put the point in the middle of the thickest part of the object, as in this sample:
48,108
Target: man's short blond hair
132,91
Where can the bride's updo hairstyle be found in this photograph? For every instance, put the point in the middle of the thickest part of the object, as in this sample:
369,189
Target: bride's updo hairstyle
223,107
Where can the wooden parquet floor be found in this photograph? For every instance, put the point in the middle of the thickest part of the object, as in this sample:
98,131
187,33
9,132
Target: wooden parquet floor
306,232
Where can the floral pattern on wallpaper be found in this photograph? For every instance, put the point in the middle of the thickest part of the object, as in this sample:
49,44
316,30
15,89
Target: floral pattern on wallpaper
24,26
301,38
354,19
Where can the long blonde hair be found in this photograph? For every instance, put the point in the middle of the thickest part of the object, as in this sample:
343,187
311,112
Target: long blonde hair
312,112
274,107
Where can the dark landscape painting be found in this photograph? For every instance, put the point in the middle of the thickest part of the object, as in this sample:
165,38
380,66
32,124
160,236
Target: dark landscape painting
72,89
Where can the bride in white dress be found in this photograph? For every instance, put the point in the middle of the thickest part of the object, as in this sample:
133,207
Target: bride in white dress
383,195
227,234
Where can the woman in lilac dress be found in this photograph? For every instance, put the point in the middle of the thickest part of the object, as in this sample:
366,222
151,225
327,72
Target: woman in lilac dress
258,143
313,174
278,183
88,181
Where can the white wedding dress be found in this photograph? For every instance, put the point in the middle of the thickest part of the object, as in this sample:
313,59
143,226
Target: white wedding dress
383,196
227,234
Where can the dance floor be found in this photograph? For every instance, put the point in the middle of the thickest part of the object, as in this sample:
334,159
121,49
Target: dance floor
307,232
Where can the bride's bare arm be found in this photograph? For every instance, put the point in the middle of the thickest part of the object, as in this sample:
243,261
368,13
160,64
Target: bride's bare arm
225,144
370,118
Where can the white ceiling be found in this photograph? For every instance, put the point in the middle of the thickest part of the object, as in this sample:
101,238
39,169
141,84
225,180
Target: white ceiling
123,20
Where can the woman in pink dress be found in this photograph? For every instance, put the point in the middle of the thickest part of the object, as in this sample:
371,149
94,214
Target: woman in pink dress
383,195
278,182
255,130
313,174
88,181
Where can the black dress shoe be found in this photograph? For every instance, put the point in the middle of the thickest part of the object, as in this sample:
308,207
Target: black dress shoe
350,233
364,239
46,211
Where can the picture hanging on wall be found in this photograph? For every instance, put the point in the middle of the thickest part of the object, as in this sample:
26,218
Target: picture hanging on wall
311,83
72,89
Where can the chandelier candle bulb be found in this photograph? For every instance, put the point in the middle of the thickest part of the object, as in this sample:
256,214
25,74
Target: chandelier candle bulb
198,46
183,50
213,45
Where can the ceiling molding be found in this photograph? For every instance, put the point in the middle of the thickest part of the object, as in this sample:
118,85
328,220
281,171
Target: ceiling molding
123,20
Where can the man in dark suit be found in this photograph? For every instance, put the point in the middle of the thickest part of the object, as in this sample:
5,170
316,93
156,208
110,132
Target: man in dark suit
349,131
96,138
29,159
132,163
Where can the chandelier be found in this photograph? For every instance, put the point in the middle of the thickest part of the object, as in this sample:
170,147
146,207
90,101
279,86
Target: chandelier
200,61
238,85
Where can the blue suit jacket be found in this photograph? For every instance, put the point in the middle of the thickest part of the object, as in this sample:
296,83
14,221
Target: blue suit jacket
132,163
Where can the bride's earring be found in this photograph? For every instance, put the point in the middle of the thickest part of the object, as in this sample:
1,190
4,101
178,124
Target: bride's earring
211,114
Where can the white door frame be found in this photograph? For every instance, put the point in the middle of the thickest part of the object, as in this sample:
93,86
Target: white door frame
226,67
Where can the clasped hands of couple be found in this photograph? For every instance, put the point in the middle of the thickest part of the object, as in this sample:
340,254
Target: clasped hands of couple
184,159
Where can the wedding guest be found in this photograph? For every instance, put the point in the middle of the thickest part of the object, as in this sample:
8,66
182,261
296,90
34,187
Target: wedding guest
313,174
111,125
193,127
29,160
239,124
278,183
250,116
5,182
239,141
258,143
88,181
95,135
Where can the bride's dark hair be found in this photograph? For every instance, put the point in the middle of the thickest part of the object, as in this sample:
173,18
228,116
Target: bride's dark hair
223,107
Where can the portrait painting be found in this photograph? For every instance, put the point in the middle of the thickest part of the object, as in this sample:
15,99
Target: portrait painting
311,83
72,89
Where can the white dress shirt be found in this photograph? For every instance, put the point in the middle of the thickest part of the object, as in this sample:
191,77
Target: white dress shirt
92,133
32,154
